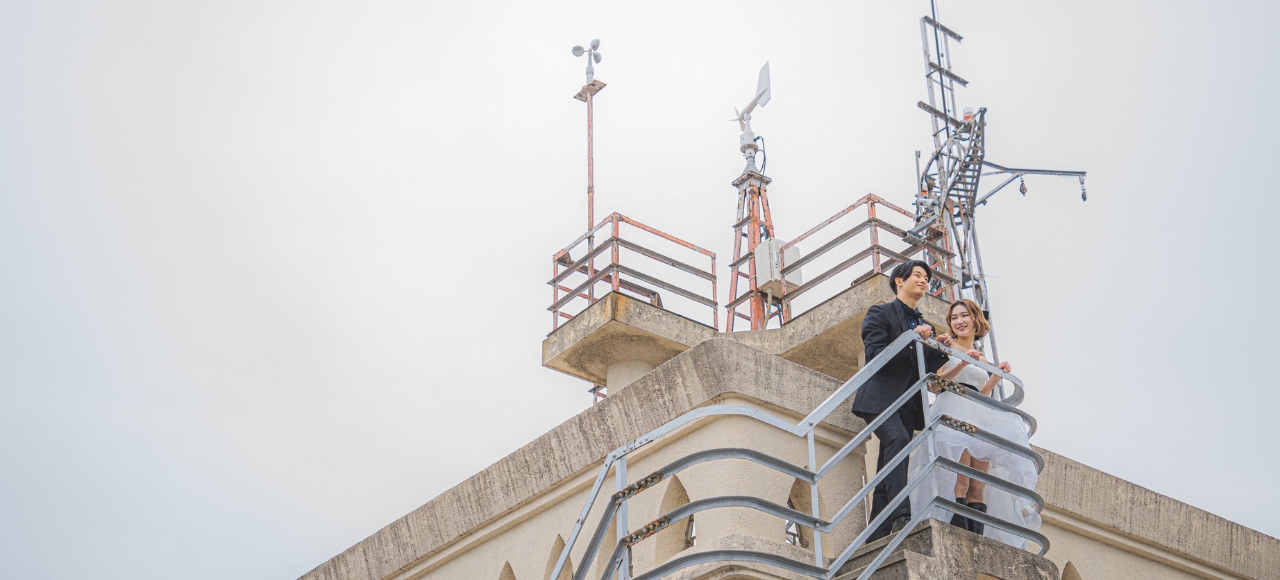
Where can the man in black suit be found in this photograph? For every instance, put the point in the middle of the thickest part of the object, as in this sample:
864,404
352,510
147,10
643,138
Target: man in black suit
883,324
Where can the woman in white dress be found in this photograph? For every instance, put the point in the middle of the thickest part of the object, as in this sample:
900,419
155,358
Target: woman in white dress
968,324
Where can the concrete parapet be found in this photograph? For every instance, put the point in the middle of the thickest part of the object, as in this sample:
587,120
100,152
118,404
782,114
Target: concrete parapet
828,337
620,331
1101,507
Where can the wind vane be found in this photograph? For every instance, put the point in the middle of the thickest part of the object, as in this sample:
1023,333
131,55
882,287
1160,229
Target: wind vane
747,142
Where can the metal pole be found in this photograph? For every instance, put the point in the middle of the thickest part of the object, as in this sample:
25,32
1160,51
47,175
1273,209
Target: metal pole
937,36
986,303
591,194
919,176
731,313
924,406
814,508
614,254
753,243
620,474
591,175
715,297
875,236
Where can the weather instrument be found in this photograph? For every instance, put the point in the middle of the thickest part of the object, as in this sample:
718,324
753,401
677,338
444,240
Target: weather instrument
593,56
585,95
747,142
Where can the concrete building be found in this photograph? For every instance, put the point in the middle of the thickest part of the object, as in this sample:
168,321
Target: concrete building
511,521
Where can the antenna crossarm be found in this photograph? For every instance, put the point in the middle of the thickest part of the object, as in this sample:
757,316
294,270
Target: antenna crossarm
947,73
944,29
1016,173
939,114
1023,171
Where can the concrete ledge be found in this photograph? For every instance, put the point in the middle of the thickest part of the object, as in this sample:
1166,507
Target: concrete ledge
692,379
618,328
939,550
1107,501
828,338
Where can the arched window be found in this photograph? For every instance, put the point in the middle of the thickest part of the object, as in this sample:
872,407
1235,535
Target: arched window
566,573
506,573
1069,572
800,501
678,535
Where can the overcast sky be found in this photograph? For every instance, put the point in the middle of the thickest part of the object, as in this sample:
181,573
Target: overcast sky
272,274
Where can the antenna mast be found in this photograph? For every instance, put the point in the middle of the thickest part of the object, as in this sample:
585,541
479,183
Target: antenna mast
754,225
948,194
585,95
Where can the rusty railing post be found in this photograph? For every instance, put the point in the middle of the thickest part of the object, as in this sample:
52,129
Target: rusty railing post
614,252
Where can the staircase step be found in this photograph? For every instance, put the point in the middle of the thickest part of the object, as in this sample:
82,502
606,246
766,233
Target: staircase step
939,550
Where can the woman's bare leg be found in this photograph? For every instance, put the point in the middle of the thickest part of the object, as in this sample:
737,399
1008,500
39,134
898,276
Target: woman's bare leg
976,490
962,482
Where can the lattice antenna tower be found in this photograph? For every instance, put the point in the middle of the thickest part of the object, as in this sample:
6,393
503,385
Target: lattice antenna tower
948,187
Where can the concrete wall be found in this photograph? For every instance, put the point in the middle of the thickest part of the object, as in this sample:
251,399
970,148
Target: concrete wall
507,519
546,478
525,539
1110,528
1092,559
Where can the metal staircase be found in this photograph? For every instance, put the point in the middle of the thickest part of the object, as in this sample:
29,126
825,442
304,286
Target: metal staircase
972,147
618,550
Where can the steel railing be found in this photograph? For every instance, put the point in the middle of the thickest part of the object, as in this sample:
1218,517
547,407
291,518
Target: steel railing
882,258
620,277
615,510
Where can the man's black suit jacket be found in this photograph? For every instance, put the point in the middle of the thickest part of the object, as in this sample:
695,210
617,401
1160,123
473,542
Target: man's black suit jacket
883,324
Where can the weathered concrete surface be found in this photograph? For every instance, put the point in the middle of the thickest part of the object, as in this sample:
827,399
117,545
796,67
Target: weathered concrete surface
1101,526
828,338
712,369
619,329
1083,500
937,550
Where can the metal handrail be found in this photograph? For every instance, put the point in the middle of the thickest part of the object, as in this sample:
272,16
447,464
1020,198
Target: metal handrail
882,258
615,273
806,428
816,523
779,465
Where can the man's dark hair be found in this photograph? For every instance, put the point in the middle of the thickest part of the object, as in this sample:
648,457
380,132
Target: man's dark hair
904,270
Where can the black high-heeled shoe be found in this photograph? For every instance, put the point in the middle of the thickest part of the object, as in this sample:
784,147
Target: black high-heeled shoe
958,520
974,525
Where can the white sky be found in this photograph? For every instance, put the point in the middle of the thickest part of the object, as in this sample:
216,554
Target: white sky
272,274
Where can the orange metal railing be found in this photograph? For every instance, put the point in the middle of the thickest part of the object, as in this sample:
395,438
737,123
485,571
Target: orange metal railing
936,250
619,277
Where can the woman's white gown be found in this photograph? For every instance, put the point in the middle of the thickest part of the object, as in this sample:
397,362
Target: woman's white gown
1004,464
